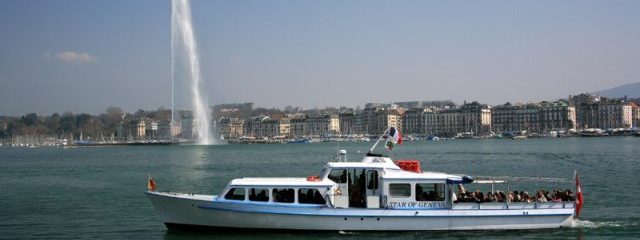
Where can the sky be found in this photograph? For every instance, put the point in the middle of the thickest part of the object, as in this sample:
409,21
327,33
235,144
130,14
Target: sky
84,56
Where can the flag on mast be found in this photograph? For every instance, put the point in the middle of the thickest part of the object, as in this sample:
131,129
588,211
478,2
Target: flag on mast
151,185
579,197
394,137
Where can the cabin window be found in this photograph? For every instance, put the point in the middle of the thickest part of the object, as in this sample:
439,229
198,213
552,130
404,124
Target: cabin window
372,176
401,190
283,195
429,192
338,175
259,194
235,194
310,196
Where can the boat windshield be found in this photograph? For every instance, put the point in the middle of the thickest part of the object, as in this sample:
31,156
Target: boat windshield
323,172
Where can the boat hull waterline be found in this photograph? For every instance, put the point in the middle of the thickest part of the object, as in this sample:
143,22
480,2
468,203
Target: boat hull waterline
206,211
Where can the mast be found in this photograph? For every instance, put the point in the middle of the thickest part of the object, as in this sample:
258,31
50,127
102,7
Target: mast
378,141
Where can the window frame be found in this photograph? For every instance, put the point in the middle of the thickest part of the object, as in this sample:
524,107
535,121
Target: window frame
275,197
231,191
342,174
439,194
391,189
299,191
268,191
376,179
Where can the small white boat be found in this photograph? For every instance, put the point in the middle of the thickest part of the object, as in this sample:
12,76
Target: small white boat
375,194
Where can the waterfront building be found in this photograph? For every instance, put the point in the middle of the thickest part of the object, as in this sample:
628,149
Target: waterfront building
369,120
266,127
413,121
164,129
469,119
540,117
296,126
151,129
615,114
230,128
600,112
635,112
275,128
349,123
378,117
140,129
388,118
324,125
515,118
586,106
252,126
556,116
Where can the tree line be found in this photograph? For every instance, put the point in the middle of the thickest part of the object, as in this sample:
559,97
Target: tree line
71,125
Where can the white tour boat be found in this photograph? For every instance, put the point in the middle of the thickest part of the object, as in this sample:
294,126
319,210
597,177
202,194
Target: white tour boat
375,194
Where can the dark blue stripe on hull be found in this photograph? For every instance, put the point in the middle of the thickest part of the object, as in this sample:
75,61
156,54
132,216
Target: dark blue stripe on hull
213,229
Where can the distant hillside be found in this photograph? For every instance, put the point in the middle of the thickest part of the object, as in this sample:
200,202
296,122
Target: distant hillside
631,90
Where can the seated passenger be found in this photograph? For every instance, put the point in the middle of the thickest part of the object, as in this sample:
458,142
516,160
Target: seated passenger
557,196
540,197
461,189
262,196
526,198
490,197
570,196
502,196
480,197
460,198
517,197
252,196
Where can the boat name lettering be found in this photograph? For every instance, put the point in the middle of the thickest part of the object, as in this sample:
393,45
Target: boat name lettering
415,204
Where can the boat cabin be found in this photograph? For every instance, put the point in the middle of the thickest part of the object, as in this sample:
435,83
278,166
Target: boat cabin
375,182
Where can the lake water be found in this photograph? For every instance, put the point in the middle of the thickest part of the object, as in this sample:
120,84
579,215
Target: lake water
97,192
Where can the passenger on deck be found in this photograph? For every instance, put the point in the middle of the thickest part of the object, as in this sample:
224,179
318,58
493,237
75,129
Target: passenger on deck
540,197
526,198
489,197
480,197
570,196
557,196
502,196
517,197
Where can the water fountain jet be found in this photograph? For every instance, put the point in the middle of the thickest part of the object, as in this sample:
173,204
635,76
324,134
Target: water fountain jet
183,44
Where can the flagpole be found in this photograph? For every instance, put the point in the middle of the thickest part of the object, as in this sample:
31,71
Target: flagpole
380,138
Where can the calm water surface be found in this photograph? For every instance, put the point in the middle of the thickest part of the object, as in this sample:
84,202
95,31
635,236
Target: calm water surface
98,192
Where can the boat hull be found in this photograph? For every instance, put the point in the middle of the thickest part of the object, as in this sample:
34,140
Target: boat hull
206,212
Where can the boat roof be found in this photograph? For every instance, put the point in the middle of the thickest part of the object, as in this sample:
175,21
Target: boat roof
406,175
367,162
276,182
391,170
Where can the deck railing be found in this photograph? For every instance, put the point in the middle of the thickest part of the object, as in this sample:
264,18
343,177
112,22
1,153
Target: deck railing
513,205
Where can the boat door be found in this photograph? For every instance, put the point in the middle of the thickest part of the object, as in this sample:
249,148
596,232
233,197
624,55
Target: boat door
373,189
341,177
357,188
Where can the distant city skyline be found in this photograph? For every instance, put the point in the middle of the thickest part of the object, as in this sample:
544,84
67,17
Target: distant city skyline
75,56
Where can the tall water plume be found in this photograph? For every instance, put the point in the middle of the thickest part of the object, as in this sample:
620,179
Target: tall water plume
184,53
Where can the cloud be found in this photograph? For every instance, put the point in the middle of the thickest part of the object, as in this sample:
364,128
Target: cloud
74,57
